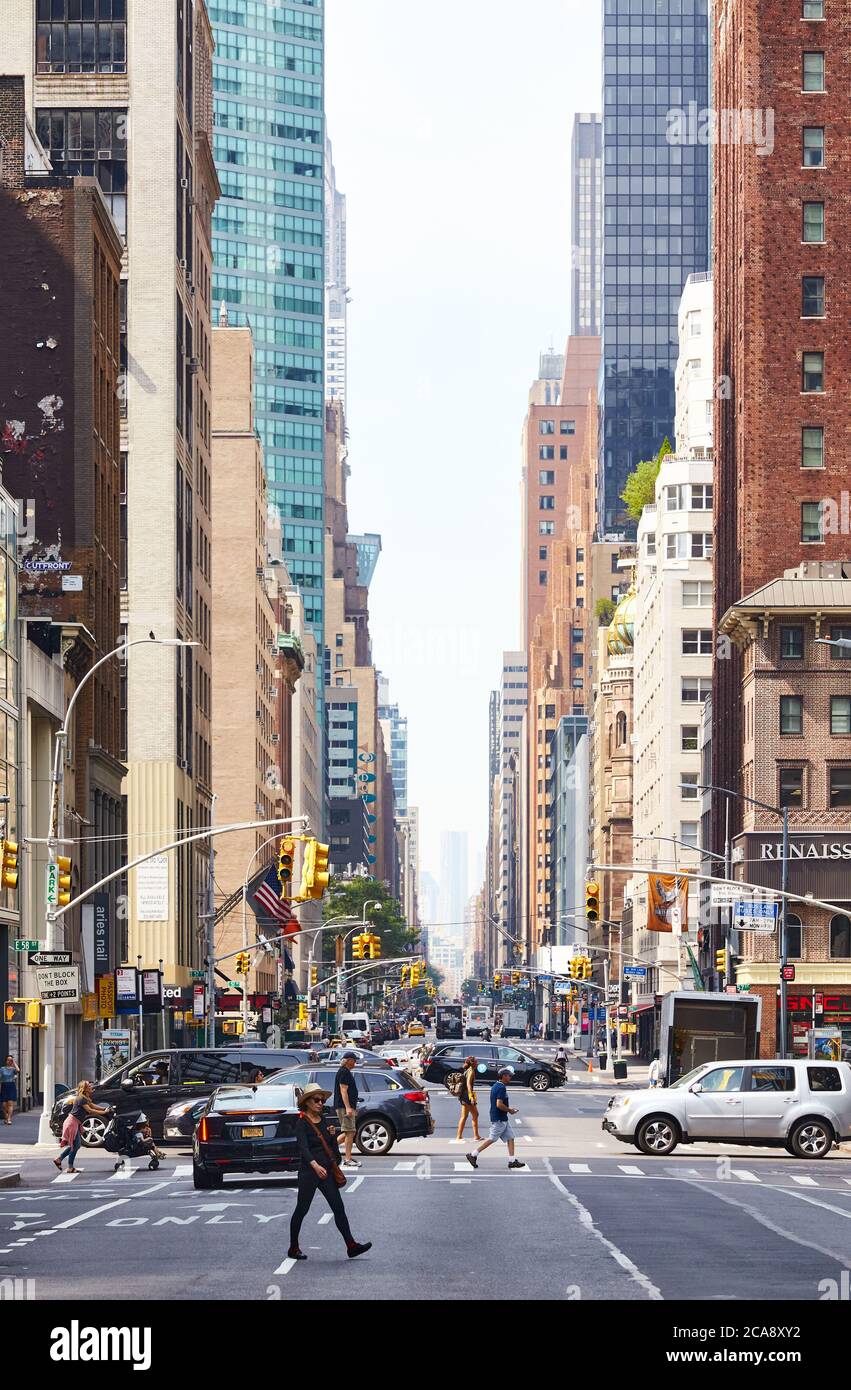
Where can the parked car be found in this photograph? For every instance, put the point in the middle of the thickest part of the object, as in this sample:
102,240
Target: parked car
181,1119
240,1132
155,1081
391,1104
800,1105
445,1062
336,1055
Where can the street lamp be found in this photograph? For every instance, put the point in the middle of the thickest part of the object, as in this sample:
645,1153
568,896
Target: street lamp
844,643
55,836
784,880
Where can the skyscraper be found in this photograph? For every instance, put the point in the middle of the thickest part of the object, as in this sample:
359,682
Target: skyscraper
268,256
656,219
395,728
586,252
336,287
454,890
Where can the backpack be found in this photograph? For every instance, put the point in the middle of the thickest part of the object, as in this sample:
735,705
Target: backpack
456,1086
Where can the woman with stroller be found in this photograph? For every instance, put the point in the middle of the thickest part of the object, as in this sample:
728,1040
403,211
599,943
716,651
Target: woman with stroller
72,1135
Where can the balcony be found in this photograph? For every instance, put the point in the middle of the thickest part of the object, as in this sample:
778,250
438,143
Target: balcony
289,645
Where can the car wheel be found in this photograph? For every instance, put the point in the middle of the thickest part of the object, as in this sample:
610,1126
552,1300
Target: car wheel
811,1139
375,1137
539,1081
658,1135
93,1130
203,1180
451,1080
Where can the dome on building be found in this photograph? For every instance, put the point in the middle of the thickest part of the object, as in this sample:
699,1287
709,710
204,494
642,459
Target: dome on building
622,626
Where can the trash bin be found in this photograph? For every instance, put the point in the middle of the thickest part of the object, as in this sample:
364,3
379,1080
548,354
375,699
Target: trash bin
619,1069
602,1059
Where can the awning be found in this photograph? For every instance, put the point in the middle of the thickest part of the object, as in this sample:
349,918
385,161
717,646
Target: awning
642,1008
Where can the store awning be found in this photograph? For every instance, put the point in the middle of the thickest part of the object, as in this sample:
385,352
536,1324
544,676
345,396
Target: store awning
642,1008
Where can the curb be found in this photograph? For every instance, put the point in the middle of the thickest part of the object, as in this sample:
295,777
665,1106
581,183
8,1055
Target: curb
10,1179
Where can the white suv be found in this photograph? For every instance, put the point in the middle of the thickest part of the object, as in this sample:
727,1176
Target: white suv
802,1105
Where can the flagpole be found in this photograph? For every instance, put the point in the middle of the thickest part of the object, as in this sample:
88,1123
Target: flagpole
271,840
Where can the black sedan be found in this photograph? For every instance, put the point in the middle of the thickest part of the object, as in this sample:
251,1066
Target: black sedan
446,1061
245,1129
391,1104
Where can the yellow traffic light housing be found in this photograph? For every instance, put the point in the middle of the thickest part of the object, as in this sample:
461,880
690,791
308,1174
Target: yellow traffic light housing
315,874
314,974
359,946
9,868
592,900
374,946
63,880
286,863
405,973
243,963
588,970
721,962
23,1013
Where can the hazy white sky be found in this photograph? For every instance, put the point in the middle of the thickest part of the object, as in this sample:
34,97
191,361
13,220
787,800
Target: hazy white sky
451,124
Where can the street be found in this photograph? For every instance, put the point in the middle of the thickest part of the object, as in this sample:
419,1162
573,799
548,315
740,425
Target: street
588,1219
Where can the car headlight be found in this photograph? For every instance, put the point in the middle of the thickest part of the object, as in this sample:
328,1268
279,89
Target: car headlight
621,1102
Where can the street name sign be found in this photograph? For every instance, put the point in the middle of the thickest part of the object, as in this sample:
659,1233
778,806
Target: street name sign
58,983
24,945
48,957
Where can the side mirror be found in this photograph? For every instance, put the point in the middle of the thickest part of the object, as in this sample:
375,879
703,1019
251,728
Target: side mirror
696,1089
127,1083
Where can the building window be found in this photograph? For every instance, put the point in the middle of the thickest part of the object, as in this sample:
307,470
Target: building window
813,152
812,297
812,446
791,643
546,452
840,714
542,576
546,427
688,545
546,477
701,497
567,427
840,937
813,372
93,143
791,714
840,634
695,689
650,544
546,528
542,552
688,834
688,738
812,531
688,786
794,937
813,221
840,787
620,729
812,75
813,9
81,36
580,581
580,556
546,503
562,452
696,593
697,641
792,787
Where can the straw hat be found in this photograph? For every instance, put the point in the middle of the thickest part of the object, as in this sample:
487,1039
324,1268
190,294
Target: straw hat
312,1090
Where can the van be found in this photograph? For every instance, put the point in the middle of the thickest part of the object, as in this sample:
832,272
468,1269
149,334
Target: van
355,1025
154,1081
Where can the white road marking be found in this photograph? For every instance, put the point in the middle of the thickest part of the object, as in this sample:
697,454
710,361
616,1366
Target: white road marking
356,1184
323,1220
107,1206
745,1175
460,1180
184,1170
781,1230
526,1138
579,1168
63,1177
285,1267
404,1166
461,1167
121,1174
631,1169
587,1220
804,1182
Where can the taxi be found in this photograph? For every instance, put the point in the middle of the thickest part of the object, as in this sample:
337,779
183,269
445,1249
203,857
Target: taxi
416,1029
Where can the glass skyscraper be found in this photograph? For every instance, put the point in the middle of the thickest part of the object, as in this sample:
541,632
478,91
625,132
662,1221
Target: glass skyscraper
268,256
656,222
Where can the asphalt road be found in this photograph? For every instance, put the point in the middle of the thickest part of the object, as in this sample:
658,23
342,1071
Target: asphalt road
587,1219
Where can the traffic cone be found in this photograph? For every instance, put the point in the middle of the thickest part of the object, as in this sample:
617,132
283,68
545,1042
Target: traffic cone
590,1063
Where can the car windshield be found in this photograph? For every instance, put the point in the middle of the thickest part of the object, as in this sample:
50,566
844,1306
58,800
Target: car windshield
689,1077
247,1098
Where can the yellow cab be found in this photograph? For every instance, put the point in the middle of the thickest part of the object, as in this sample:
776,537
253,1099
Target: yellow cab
416,1029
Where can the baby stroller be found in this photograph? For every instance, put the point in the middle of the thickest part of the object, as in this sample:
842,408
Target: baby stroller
131,1135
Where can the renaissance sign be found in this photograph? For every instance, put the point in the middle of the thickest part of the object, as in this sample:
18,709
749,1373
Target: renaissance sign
819,862
806,849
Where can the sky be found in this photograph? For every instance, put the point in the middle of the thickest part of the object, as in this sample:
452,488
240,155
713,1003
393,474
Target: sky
451,125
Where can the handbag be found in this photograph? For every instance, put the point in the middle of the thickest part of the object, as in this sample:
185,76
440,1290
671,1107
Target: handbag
336,1171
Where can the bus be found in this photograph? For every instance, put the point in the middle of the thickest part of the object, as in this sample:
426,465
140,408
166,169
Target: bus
448,1021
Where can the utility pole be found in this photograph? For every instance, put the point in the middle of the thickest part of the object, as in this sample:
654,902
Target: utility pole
210,935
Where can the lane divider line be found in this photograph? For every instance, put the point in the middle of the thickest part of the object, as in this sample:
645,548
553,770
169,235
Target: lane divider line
587,1221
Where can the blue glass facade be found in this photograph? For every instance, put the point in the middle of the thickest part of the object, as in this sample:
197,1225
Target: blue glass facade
268,235
655,219
569,811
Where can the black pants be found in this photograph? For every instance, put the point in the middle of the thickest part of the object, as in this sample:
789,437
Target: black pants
308,1185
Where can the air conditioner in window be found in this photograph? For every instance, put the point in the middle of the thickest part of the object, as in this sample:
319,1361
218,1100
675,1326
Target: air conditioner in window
184,183
104,154
183,263
192,364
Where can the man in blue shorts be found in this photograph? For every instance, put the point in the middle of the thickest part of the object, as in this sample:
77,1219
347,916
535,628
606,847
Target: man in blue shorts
501,1127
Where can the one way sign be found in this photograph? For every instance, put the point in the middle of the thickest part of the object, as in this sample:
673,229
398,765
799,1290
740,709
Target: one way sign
49,957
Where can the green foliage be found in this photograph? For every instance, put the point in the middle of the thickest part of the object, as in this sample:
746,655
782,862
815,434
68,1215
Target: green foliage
469,990
604,610
640,487
346,898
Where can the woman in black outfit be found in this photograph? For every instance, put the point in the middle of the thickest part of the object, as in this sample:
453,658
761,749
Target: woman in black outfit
318,1154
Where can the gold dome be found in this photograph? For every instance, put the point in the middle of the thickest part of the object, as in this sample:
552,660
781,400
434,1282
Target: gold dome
622,626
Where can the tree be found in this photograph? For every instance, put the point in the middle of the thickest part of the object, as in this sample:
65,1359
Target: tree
640,487
604,611
469,989
347,897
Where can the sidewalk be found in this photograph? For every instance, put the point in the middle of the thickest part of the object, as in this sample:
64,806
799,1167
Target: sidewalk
20,1138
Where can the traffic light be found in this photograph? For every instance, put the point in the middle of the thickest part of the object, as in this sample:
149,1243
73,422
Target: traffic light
587,969
359,946
722,961
573,967
405,972
515,977
592,900
314,974
63,879
374,943
497,980
9,870
243,963
286,861
314,871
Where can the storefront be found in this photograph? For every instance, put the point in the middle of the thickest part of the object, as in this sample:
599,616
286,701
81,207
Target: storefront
826,1008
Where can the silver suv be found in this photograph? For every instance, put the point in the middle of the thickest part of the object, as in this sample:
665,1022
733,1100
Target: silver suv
802,1105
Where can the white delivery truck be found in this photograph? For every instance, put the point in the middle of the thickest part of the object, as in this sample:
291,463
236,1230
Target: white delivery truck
515,1023
478,1021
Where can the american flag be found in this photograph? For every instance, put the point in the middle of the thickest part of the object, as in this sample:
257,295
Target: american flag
268,905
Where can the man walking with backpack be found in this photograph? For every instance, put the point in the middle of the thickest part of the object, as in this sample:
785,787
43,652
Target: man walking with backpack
501,1127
